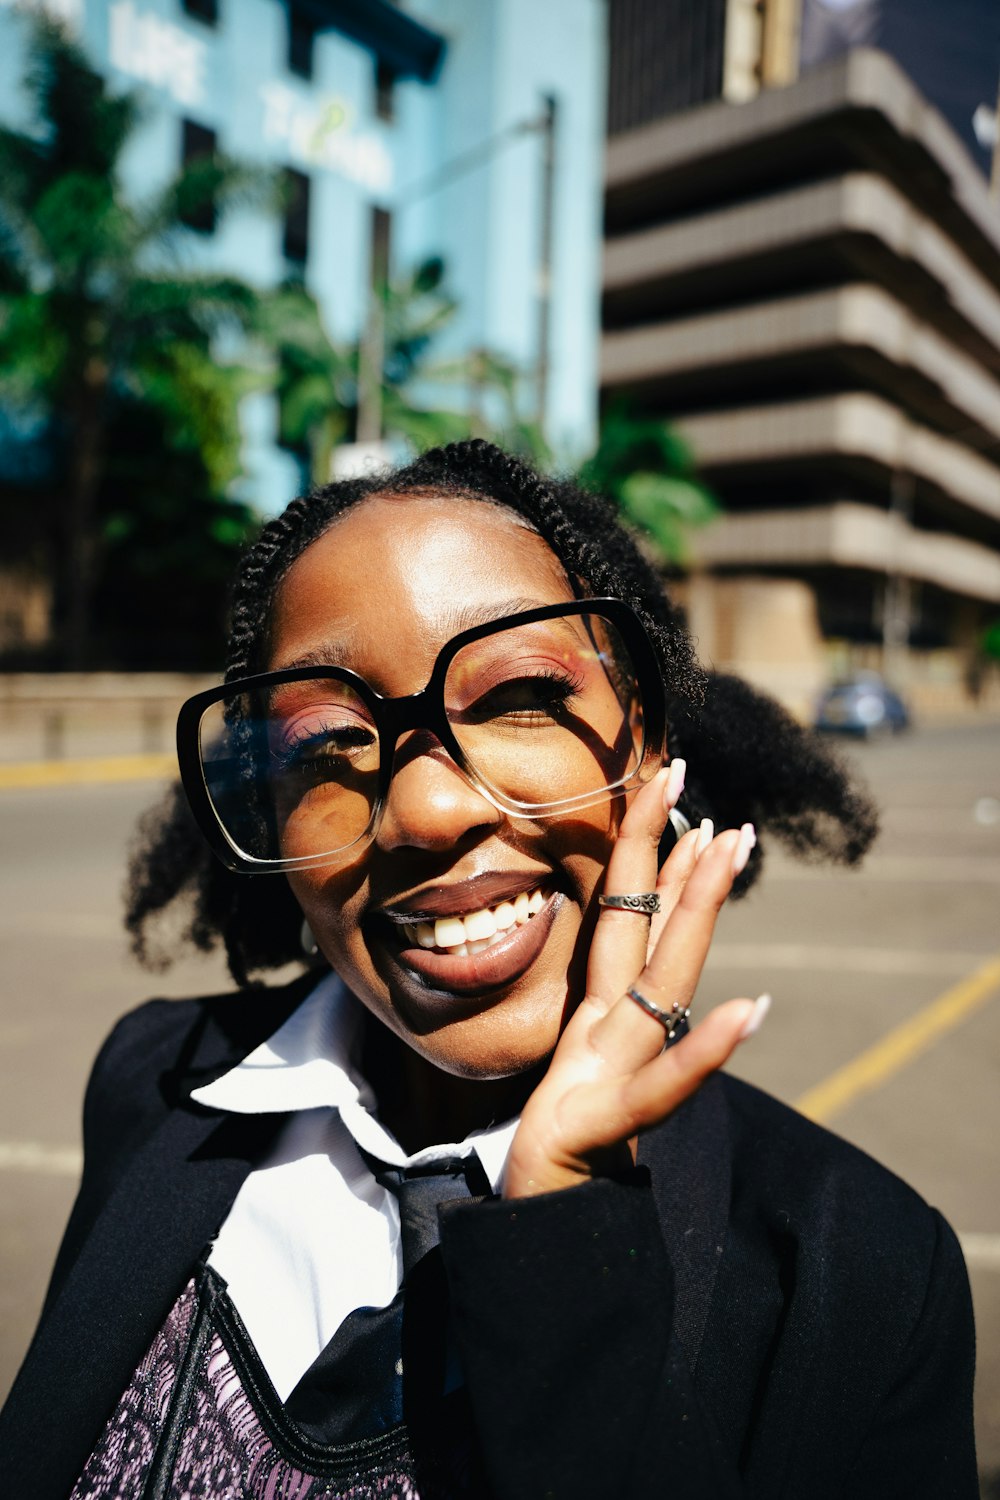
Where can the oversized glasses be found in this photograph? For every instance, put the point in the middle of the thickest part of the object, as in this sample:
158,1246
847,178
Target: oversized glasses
543,712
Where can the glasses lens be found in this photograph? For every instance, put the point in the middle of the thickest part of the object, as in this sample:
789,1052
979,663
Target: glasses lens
548,714
292,771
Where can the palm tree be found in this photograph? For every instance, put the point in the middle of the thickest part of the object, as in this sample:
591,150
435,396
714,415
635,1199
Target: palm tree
318,379
96,304
642,464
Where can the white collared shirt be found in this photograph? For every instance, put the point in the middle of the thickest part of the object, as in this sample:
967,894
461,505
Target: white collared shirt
311,1235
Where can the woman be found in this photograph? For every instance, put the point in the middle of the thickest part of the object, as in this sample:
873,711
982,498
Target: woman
447,761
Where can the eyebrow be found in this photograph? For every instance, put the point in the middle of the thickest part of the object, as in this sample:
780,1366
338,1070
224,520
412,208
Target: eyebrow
485,614
337,653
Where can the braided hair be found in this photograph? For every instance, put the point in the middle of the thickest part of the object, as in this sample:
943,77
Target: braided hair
747,758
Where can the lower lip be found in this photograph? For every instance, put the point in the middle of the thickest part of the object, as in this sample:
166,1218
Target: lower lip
498,965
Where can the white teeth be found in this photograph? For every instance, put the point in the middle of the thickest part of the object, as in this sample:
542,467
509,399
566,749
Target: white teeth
449,932
479,925
477,930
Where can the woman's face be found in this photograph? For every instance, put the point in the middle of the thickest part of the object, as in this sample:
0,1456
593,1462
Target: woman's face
385,588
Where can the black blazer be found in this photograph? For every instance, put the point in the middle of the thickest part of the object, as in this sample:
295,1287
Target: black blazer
763,1312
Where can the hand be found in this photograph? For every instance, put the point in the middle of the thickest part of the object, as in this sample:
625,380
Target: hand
610,1076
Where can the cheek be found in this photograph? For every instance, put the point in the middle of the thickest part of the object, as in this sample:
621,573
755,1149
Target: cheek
332,906
581,843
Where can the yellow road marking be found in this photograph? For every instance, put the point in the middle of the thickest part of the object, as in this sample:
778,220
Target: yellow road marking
78,772
904,1043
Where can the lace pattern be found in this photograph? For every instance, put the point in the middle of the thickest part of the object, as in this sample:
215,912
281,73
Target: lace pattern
123,1457
208,1433
225,1453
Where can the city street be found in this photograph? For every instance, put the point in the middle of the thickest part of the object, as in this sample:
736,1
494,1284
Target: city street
903,954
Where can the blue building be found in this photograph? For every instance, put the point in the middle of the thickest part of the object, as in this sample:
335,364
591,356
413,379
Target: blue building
378,111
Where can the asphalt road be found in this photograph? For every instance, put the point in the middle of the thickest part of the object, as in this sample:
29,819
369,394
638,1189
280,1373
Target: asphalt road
853,960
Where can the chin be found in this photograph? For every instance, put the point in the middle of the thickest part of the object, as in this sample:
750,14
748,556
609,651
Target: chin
492,1067
494,1045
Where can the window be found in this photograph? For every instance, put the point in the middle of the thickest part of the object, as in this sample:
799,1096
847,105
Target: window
295,241
385,82
202,10
301,36
198,144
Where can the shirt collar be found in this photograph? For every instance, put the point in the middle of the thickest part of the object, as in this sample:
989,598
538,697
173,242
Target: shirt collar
312,1062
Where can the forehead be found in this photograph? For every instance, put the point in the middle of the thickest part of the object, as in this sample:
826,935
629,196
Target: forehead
398,575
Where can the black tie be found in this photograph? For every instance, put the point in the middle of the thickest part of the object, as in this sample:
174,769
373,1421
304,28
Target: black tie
385,1365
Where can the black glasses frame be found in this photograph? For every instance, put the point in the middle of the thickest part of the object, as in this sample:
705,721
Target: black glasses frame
425,709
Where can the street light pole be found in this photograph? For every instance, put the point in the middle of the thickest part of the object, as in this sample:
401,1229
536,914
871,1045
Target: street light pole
547,125
373,342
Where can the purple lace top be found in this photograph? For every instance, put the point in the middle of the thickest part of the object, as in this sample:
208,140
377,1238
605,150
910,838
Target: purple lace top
201,1421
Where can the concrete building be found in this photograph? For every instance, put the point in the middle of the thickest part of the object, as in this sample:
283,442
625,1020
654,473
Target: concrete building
809,284
415,125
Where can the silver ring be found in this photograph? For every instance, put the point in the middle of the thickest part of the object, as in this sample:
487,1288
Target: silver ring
670,1019
646,903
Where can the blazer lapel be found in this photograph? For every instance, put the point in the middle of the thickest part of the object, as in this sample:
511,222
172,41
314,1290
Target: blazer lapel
160,1214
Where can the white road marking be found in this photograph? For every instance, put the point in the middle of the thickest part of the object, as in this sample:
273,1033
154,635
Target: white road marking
33,1156
810,956
68,925
981,1251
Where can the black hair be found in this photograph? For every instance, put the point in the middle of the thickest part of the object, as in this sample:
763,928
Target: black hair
748,759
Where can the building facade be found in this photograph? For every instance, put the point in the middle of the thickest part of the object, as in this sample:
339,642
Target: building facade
407,131
809,284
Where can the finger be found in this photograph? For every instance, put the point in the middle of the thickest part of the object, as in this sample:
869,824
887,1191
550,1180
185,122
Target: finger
618,949
656,1089
626,1036
676,964
673,877
608,1112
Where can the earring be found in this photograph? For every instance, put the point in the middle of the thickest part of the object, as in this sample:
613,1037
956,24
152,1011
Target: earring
677,826
310,947
679,823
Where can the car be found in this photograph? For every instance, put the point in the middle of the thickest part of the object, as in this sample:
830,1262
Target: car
864,705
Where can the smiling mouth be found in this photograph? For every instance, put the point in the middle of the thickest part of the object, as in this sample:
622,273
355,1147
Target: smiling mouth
442,958
475,931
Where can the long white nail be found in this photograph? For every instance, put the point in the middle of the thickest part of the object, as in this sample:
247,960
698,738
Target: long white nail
756,1018
675,781
706,833
747,839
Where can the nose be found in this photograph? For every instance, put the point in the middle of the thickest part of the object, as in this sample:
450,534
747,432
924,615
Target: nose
430,804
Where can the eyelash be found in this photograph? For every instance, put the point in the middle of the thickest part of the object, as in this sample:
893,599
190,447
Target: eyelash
563,688
293,755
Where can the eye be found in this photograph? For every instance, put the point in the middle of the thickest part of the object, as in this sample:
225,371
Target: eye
314,747
534,698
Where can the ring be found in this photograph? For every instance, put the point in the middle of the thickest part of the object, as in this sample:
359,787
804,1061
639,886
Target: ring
646,903
671,1020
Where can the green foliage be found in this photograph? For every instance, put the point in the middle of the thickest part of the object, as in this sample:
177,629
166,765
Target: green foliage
98,315
317,379
643,465
494,386
991,641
